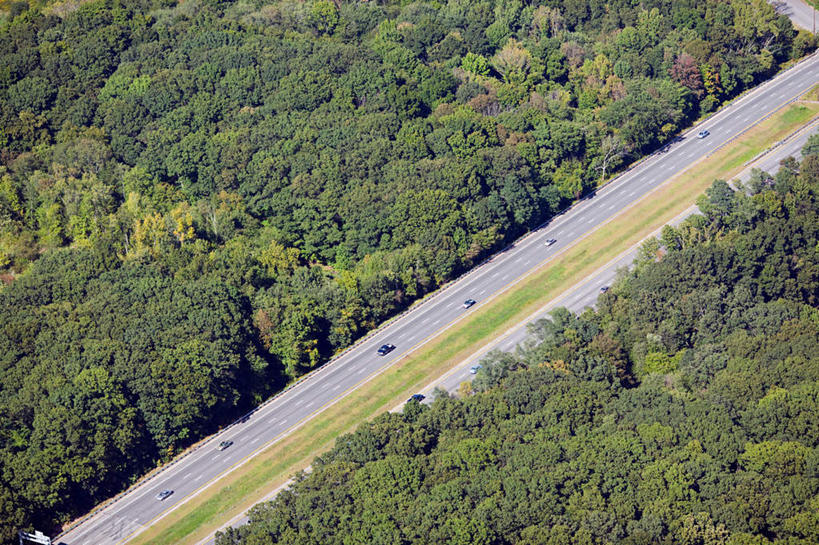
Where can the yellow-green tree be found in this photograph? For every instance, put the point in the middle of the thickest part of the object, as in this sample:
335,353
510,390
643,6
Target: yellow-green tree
150,234
278,259
513,61
182,218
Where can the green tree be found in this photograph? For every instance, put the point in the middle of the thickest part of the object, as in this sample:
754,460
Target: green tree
476,64
324,17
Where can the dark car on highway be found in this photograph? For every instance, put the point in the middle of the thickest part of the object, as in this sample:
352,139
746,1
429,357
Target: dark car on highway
386,349
225,444
164,494
417,397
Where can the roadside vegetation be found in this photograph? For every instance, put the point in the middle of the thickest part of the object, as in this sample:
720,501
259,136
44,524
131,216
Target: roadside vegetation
813,94
243,488
200,202
681,411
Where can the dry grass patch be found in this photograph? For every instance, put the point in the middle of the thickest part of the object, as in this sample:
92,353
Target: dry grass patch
813,94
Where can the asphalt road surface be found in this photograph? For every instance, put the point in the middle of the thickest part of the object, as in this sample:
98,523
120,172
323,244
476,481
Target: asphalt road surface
799,12
189,474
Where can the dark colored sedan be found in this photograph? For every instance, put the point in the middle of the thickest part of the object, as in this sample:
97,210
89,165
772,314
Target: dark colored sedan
225,444
386,349
164,494
417,397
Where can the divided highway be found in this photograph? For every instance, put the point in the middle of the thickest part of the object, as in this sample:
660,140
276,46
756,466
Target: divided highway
188,475
585,293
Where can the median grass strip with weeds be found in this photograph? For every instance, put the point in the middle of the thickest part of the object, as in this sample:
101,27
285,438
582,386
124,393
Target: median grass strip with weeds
247,485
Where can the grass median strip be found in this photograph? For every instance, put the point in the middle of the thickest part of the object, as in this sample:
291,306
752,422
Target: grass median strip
813,94
247,485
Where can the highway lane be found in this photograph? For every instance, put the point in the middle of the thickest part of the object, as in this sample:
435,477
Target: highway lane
583,294
188,475
586,292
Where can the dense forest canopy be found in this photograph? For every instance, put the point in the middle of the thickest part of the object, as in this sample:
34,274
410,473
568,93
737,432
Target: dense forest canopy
201,201
682,411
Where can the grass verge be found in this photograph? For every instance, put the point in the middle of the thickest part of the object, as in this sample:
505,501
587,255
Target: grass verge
247,485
